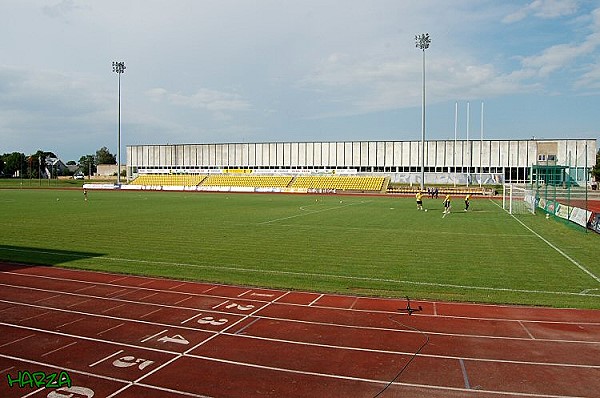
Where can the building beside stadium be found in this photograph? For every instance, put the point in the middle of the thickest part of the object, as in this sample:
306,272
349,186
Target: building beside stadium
446,161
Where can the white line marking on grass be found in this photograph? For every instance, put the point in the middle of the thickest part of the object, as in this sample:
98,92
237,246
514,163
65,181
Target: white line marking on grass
565,255
347,277
308,212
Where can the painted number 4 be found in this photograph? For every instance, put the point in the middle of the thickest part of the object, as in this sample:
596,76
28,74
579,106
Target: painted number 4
128,361
177,339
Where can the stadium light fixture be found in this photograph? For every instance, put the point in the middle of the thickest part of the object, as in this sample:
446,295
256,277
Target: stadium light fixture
119,68
422,41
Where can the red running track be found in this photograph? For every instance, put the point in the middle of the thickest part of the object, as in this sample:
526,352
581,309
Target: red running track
128,336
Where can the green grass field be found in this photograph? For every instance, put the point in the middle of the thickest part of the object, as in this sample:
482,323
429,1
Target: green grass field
371,245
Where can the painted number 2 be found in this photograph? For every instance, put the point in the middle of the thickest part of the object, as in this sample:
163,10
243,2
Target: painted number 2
128,361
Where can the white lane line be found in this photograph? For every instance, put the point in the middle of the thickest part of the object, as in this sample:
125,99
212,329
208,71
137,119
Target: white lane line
113,308
189,319
182,300
84,288
105,358
247,326
176,286
34,316
148,296
315,300
219,305
81,302
151,312
70,322
464,373
526,330
117,292
109,329
47,298
154,335
17,340
58,349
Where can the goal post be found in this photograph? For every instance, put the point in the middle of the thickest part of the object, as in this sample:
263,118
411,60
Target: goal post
518,200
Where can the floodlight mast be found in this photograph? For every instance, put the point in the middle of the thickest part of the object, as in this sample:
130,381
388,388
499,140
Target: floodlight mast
118,68
422,42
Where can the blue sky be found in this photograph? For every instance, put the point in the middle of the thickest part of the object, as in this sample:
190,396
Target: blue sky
205,71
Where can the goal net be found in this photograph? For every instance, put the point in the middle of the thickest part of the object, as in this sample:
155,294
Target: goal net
518,200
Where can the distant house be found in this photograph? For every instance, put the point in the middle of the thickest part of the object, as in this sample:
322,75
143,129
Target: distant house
55,167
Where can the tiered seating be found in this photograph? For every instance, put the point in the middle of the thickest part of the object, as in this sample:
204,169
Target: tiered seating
257,181
348,183
405,189
186,180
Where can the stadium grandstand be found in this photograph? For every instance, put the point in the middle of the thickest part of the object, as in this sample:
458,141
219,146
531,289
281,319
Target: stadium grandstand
365,166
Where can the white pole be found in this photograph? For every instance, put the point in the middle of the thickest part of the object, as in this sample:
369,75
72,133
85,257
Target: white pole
481,149
510,199
455,134
468,148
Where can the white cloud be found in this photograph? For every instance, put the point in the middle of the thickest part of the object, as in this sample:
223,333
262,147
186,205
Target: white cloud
210,100
545,9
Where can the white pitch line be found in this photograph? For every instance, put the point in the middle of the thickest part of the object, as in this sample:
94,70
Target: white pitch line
308,212
562,253
348,277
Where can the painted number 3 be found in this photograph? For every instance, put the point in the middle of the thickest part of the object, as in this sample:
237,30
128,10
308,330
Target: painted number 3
128,361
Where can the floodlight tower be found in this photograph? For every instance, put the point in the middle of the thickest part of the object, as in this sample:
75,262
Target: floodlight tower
422,42
119,68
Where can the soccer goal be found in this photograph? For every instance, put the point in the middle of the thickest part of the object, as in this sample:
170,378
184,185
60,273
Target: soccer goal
518,200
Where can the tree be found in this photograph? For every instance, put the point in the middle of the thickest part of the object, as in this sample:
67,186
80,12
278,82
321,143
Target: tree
14,164
596,168
87,164
103,156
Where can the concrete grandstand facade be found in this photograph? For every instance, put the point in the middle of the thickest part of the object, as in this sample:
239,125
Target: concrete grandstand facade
446,161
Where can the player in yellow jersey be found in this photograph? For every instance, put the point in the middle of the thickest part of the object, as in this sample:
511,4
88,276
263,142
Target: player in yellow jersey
419,197
467,202
447,205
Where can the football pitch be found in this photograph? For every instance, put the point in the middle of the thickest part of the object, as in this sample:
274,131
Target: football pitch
366,245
